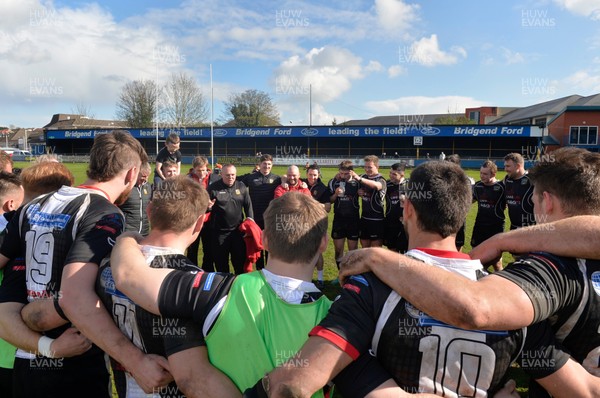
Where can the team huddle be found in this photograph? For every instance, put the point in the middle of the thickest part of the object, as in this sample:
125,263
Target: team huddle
418,318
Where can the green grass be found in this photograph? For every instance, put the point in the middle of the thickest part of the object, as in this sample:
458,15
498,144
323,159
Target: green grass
330,269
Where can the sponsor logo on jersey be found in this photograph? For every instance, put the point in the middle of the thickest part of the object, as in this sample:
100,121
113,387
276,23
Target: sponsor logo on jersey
237,192
596,282
197,280
412,310
49,220
354,288
209,281
360,279
107,281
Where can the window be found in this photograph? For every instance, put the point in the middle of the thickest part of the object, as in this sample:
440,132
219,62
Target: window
474,116
583,135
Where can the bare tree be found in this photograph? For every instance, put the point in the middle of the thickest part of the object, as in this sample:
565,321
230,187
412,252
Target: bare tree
183,102
83,109
137,103
252,108
452,119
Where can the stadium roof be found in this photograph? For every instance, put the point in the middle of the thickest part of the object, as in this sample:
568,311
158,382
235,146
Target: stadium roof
526,115
61,121
400,119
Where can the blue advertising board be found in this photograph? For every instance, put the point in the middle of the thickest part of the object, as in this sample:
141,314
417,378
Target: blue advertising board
402,130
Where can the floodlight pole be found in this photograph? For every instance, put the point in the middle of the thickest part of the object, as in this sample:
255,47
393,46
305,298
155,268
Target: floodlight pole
212,144
156,107
309,116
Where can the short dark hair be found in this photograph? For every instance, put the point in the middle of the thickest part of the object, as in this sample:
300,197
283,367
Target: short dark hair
9,183
488,164
440,192
199,161
173,138
114,152
454,158
371,158
573,176
166,164
266,157
346,165
400,166
515,157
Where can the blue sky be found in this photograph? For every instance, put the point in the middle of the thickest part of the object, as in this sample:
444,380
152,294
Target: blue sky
359,58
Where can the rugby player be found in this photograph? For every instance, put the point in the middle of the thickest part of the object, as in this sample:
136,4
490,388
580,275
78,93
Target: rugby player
11,197
170,152
346,214
422,354
64,236
251,322
321,194
176,221
395,237
372,192
518,191
536,287
491,202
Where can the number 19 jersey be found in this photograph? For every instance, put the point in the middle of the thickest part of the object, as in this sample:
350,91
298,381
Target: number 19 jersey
67,226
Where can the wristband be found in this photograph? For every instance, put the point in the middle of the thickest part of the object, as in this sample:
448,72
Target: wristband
258,390
44,344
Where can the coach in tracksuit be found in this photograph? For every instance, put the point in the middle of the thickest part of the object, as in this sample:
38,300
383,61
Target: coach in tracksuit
230,204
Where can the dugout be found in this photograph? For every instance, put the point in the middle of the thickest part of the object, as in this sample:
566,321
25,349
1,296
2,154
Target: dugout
469,141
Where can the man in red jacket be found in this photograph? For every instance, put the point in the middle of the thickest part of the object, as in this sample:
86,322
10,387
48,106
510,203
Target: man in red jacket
292,183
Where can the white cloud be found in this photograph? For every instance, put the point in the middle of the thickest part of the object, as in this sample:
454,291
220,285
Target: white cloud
328,71
586,8
294,115
423,105
584,80
66,55
512,57
396,15
396,70
427,52
374,66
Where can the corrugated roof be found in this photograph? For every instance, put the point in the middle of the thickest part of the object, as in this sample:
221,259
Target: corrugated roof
395,120
547,108
64,121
